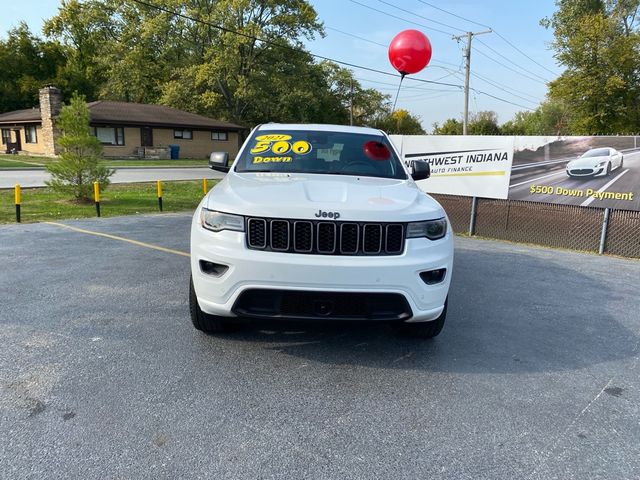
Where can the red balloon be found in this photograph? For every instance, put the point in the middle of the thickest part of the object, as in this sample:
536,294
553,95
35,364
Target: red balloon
376,151
409,51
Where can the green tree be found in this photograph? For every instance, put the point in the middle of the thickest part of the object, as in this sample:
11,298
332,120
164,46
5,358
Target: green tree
196,62
451,126
77,169
552,117
400,122
28,63
598,43
237,60
484,123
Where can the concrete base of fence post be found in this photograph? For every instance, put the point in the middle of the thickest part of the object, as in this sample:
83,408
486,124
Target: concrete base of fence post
605,227
472,221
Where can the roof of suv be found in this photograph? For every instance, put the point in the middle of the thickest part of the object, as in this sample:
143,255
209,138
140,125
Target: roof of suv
320,128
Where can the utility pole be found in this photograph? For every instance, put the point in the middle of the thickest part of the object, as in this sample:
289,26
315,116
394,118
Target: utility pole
465,123
467,56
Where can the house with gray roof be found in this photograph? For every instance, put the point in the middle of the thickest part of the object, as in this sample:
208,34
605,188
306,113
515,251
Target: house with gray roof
126,130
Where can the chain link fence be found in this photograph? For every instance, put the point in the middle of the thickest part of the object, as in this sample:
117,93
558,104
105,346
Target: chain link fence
623,236
458,210
548,224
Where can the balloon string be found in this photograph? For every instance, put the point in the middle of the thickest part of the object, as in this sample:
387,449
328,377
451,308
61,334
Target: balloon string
397,94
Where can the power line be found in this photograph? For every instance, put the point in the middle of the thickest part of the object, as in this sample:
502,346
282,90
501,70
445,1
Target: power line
513,63
506,89
284,45
424,26
494,31
395,85
356,36
455,15
502,86
502,99
420,16
314,55
432,64
507,66
400,18
527,56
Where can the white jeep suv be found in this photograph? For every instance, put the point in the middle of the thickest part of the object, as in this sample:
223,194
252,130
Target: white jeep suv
319,222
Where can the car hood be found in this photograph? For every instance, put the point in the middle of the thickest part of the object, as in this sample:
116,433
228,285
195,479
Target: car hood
306,196
587,162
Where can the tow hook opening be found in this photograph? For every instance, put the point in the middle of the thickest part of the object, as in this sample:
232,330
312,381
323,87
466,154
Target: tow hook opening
432,277
213,269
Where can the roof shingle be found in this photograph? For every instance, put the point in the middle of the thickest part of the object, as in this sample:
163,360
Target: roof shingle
17,116
135,114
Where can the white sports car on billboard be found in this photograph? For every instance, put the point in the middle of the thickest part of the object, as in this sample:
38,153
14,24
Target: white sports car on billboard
596,162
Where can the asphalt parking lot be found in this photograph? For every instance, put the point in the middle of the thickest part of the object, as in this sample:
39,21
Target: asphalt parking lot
535,375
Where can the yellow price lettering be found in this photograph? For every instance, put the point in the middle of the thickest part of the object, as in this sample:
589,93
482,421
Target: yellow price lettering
272,138
301,147
281,147
261,146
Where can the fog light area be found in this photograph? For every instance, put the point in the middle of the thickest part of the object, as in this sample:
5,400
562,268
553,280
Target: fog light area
215,269
431,277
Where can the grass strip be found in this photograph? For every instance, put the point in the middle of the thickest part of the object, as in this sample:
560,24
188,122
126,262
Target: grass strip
42,204
22,161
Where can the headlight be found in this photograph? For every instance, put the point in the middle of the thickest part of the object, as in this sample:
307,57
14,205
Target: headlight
432,229
218,221
602,164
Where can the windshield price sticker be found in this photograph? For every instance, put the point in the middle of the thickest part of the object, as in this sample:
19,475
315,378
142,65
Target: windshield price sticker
272,160
278,145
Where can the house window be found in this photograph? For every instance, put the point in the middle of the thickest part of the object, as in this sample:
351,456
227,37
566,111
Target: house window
6,136
220,136
30,134
183,134
109,135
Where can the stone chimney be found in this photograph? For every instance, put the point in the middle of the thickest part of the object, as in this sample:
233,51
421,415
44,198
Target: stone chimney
50,104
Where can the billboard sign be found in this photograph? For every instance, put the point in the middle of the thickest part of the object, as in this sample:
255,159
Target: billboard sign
586,171
476,166
596,171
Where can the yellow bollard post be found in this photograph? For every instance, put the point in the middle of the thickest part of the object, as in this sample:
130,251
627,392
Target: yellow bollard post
96,196
204,185
17,195
159,189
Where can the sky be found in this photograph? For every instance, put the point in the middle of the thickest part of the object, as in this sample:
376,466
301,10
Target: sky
359,32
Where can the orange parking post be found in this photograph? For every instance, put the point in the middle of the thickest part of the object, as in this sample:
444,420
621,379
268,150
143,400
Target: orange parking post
17,195
204,185
96,196
159,189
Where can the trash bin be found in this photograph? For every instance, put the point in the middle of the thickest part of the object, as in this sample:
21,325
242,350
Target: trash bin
175,152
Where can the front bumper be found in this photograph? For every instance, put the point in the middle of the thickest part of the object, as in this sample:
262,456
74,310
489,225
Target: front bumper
586,172
262,270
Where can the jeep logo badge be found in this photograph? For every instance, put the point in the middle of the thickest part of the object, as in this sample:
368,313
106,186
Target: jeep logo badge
334,215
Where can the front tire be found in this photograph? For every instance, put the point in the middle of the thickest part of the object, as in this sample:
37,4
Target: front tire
608,169
425,329
203,321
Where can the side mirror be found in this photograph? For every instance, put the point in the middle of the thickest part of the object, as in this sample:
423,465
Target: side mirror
219,161
420,170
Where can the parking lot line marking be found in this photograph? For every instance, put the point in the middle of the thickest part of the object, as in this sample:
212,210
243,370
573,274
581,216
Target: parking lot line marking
122,239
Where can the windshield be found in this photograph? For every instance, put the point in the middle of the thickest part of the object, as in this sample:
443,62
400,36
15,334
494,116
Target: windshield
333,153
598,152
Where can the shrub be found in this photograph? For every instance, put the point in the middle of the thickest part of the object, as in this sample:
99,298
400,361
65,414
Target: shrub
77,168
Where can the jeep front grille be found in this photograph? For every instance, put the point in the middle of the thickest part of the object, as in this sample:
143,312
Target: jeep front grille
325,237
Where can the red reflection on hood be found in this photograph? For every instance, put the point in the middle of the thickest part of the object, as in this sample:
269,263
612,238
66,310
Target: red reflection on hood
376,151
